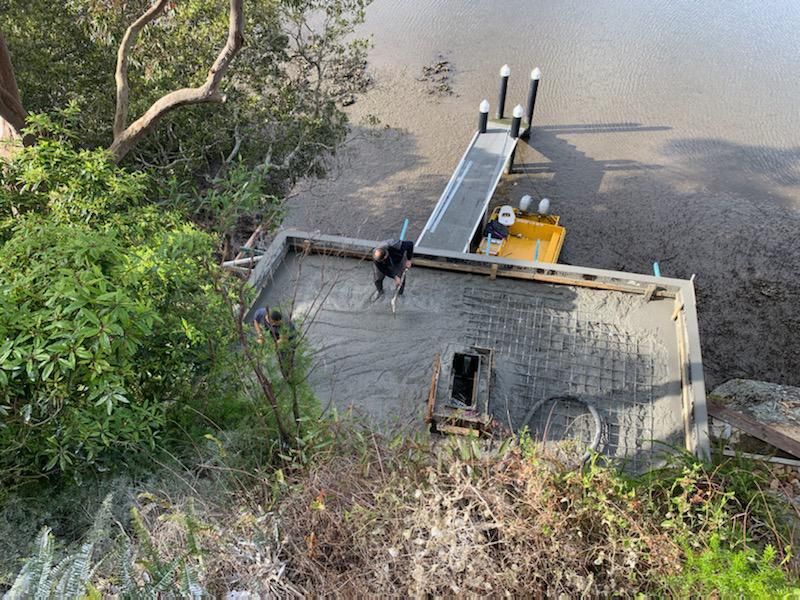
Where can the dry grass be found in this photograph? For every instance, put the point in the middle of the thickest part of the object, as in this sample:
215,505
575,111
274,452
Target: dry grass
375,517
240,550
463,523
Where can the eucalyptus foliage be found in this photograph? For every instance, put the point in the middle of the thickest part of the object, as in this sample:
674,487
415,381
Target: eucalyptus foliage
281,114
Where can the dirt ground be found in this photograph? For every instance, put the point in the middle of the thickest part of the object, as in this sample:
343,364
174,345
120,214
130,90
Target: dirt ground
628,194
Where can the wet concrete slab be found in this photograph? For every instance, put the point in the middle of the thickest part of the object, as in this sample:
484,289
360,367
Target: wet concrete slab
616,350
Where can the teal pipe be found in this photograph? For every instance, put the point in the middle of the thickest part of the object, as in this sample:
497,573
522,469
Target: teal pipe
403,231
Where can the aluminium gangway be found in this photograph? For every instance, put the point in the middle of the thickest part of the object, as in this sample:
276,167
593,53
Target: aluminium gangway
464,202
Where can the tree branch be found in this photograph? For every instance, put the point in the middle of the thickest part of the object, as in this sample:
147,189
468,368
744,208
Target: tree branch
208,92
121,74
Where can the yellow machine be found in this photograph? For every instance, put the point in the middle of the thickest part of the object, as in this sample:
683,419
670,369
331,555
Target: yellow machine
531,236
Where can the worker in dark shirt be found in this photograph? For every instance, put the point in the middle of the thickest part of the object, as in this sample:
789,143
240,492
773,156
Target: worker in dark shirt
283,333
272,321
391,259
496,229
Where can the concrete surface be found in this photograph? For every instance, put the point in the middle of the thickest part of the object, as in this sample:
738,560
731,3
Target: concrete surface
618,350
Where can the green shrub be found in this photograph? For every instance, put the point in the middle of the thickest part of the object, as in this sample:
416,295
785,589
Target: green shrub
723,573
80,187
70,332
107,316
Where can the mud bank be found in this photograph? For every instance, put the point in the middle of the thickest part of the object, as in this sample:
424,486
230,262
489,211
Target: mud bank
629,193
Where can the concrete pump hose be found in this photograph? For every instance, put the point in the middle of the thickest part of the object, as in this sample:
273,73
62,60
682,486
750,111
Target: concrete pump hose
598,422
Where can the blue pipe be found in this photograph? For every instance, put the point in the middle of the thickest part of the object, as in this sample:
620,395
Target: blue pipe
488,243
536,252
656,270
403,231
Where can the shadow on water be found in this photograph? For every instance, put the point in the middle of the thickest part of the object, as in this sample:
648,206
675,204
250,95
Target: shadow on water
738,168
574,173
625,127
720,210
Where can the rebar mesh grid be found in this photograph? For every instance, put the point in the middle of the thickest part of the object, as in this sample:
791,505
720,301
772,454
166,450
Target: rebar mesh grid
544,353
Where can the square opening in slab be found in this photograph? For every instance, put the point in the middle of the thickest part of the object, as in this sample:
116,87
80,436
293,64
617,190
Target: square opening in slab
465,379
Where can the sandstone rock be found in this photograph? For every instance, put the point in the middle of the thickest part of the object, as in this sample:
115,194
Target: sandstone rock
768,402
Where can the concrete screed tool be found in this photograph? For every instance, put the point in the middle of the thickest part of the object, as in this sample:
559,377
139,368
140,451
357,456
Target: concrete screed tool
397,291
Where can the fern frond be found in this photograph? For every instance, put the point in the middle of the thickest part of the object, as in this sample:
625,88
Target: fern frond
125,562
190,583
35,571
60,574
167,575
102,519
73,582
43,564
74,573
144,538
22,583
192,527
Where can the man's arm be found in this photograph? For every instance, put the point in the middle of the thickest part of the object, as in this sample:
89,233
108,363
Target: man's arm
261,313
377,277
408,251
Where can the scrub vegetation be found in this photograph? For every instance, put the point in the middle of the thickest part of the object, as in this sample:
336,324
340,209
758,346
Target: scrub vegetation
149,447
355,513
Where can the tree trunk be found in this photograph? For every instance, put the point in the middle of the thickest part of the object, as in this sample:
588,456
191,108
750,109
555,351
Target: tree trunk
12,114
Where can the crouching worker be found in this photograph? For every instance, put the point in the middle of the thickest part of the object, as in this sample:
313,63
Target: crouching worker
283,333
272,321
391,259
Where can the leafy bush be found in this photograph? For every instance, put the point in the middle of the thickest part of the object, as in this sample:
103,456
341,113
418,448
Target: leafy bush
79,187
70,331
733,574
107,318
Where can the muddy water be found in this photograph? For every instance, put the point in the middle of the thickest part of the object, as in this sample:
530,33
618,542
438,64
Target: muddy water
664,132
